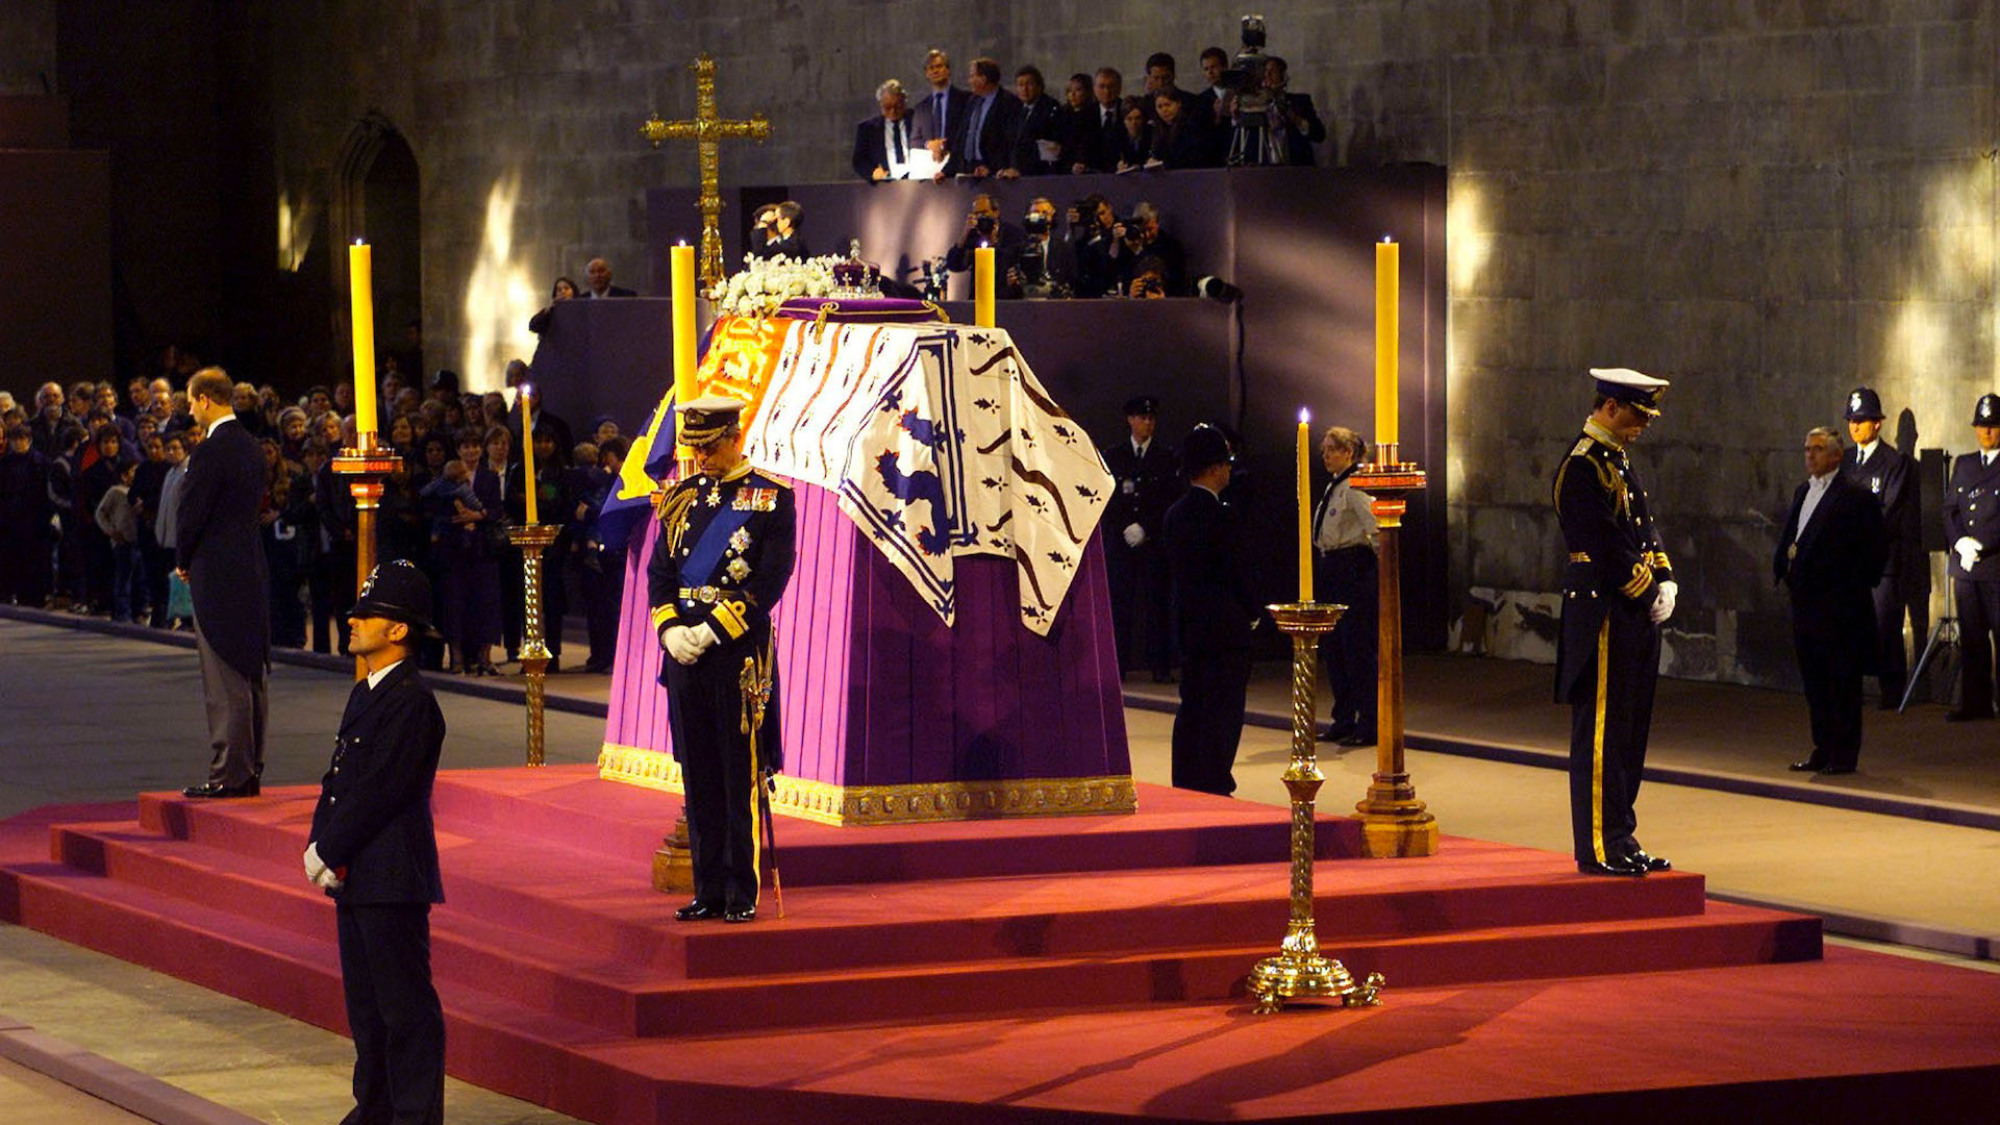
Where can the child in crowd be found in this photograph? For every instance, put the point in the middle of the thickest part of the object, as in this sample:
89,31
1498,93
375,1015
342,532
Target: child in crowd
120,525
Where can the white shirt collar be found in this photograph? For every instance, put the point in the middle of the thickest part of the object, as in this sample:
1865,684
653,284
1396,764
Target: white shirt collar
375,678
231,417
1868,450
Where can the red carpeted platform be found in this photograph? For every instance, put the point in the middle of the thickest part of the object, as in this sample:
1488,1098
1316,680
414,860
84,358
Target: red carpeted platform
1080,969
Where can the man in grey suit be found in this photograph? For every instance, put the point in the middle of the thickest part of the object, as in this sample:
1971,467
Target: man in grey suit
219,555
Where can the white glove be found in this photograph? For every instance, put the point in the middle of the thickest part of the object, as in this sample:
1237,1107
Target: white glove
1663,605
315,866
1134,535
704,637
328,881
680,643
1968,550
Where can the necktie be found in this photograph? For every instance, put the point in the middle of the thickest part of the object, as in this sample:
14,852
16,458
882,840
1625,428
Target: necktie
1861,458
896,130
937,112
973,128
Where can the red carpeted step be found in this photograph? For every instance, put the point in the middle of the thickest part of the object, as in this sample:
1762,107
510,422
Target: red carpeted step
1173,828
492,1041
1728,935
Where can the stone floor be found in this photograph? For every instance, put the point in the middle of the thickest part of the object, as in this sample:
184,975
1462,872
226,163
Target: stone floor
95,717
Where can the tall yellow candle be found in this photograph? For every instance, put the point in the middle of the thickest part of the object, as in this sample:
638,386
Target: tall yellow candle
528,452
360,272
1305,507
982,287
684,328
1388,297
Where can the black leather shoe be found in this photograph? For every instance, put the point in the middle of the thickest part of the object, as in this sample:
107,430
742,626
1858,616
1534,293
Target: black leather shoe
214,791
1834,771
697,911
740,914
1651,862
1808,765
1964,716
1359,738
1334,732
1616,865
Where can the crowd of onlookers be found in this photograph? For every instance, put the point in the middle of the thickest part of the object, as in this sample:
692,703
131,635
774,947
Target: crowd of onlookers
88,502
1245,113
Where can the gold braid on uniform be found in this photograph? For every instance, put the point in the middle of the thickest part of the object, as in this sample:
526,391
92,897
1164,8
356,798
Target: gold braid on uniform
1613,484
673,513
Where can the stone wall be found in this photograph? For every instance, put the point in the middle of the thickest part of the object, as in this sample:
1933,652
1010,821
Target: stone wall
1767,200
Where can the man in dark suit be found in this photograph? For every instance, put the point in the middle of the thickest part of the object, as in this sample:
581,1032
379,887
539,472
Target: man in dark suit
373,848
1215,611
1038,125
882,143
1147,478
1972,525
1618,588
938,120
1107,119
221,557
992,124
1830,557
1905,588
724,557
600,287
1292,114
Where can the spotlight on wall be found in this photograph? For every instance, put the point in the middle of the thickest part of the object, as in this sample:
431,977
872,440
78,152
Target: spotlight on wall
1216,289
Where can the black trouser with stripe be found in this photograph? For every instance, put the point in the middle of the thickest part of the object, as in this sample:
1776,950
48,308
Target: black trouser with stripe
1611,715
718,772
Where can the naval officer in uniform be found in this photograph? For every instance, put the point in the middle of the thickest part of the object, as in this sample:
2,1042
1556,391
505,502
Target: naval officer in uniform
1618,588
1905,588
1972,524
721,563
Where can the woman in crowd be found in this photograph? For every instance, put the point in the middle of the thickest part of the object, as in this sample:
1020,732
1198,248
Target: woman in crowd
563,290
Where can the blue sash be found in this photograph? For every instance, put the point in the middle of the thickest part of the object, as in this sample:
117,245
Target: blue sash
700,564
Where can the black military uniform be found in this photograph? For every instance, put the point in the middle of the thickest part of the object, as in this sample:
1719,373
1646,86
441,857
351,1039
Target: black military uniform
1147,483
1608,652
1905,588
1216,611
721,563
1972,526
373,833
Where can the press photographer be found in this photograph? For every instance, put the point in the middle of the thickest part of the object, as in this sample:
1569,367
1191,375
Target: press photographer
1046,266
983,227
1139,237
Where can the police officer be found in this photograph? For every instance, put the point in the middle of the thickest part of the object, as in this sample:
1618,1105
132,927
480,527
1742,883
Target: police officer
1618,587
721,563
1905,587
374,849
1135,562
1216,611
1972,523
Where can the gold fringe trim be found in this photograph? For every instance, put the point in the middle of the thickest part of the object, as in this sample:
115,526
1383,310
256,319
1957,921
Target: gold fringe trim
842,805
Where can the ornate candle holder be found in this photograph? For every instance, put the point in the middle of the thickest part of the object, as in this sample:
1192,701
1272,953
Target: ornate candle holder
532,539
365,466
1300,969
1393,822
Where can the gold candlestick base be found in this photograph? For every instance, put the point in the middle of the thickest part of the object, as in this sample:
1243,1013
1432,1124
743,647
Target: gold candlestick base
1300,969
532,539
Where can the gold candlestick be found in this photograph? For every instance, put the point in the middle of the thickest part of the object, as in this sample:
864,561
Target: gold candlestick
1393,822
1300,969
366,465
532,539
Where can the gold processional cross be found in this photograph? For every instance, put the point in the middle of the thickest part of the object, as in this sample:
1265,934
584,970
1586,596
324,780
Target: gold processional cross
706,130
